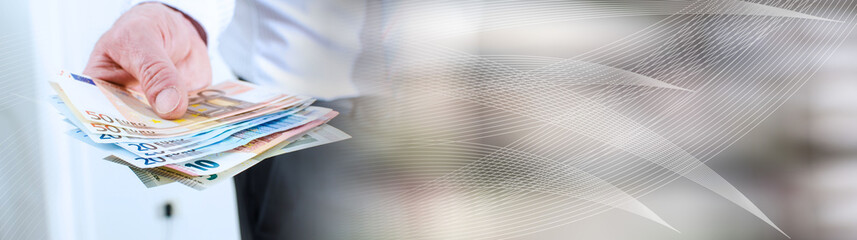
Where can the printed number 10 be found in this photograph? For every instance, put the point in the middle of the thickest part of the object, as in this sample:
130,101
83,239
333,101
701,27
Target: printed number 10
202,165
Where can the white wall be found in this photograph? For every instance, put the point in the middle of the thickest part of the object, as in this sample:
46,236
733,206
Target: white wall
89,198
22,214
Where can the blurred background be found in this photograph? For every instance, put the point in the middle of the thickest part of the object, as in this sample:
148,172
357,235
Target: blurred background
512,119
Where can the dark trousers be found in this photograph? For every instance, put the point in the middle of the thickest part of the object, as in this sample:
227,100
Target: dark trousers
289,196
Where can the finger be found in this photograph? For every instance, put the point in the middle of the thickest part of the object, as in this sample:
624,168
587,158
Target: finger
102,67
159,79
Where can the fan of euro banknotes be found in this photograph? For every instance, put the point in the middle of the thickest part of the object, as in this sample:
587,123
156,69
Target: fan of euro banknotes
228,128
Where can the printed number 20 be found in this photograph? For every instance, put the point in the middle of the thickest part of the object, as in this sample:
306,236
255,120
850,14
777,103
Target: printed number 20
143,146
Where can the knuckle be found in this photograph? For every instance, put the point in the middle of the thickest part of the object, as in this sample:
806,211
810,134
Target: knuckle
156,74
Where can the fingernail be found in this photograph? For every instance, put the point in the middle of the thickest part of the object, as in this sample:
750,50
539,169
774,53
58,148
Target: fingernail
167,100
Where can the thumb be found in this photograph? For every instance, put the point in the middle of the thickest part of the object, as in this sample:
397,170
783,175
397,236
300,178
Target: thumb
160,82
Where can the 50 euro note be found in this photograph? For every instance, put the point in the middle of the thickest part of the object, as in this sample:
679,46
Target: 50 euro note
182,140
104,107
154,177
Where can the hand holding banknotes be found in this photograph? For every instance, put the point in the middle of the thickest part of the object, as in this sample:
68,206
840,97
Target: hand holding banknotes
133,103
157,50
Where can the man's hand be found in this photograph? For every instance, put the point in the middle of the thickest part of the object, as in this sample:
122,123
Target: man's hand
155,49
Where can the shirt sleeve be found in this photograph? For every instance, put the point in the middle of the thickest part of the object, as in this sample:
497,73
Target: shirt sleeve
212,15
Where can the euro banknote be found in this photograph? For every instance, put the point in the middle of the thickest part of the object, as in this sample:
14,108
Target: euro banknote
228,126
227,140
104,107
155,177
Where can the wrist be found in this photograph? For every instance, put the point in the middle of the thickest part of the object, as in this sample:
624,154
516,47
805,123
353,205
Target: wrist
196,25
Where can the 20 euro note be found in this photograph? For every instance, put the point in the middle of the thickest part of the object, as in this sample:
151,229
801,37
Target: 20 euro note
154,177
99,104
208,162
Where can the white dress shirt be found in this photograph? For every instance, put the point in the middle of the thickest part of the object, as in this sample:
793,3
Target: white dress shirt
305,47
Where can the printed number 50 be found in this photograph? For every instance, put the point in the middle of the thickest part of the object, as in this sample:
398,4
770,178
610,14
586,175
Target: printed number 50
105,128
